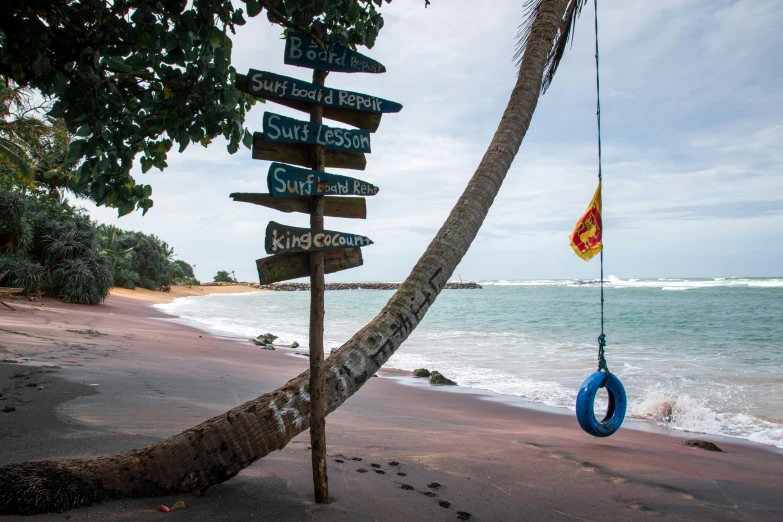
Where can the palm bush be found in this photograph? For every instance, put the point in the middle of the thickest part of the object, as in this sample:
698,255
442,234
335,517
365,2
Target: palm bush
85,279
51,249
20,271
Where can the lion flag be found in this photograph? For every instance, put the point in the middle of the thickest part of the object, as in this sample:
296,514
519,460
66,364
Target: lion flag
588,232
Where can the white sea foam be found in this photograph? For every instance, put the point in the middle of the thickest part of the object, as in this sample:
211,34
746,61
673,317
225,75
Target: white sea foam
687,413
550,393
662,283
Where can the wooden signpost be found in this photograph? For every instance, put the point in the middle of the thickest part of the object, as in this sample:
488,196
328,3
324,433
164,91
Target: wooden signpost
314,251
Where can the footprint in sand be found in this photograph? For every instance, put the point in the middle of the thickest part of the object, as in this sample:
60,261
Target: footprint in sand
463,515
444,504
361,470
407,487
375,465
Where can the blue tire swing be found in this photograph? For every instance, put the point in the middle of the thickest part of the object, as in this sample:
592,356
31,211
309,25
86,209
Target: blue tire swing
603,378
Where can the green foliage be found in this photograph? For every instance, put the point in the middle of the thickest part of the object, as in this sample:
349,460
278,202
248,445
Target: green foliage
136,77
223,277
85,279
185,268
20,271
51,249
142,260
33,148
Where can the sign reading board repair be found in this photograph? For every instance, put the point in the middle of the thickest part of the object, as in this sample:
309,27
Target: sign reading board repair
302,51
285,180
279,128
269,85
282,238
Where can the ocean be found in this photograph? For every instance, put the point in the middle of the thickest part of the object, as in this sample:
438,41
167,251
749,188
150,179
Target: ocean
697,355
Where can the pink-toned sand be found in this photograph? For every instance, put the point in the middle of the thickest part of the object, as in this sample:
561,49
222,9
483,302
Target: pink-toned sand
399,449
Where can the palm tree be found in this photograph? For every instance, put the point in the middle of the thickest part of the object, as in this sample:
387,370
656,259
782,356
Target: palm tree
33,148
219,448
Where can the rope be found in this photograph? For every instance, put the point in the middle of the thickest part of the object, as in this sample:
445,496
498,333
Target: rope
601,338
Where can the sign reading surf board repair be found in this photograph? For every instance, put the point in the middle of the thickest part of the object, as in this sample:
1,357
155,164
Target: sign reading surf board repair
285,180
302,51
279,128
282,238
269,85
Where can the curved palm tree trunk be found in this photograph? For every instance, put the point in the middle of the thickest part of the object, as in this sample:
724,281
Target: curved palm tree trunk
219,448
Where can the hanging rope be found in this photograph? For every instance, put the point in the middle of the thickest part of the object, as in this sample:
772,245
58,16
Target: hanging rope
601,338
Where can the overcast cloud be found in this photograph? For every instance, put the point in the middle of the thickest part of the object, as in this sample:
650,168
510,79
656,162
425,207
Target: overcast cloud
692,131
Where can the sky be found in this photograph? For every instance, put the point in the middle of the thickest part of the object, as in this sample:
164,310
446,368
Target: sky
692,131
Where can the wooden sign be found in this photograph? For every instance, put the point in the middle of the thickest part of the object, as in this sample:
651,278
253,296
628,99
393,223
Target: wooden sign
302,51
285,180
283,129
293,265
272,86
334,206
282,238
301,154
360,119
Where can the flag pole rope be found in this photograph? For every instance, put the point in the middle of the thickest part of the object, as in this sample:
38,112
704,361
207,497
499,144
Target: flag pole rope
601,338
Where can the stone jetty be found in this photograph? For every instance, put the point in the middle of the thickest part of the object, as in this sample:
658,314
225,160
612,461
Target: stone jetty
295,287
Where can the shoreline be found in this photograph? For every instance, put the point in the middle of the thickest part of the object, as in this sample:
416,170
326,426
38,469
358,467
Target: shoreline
152,297
406,379
491,460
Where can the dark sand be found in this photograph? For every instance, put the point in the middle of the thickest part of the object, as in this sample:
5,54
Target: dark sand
408,452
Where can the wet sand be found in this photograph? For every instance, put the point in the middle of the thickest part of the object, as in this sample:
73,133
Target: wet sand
121,375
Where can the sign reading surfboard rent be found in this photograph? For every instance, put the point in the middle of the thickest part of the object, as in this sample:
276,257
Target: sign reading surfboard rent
285,180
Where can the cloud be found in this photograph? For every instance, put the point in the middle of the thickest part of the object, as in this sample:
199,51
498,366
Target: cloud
691,113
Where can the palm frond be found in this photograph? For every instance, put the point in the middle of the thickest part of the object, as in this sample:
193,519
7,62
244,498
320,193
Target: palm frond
15,157
559,44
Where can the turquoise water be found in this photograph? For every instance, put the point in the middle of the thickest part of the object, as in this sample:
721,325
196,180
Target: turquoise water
701,355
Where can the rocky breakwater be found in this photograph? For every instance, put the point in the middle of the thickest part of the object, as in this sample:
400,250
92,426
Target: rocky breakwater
294,287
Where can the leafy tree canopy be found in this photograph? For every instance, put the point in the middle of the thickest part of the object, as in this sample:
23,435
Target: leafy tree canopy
138,77
223,277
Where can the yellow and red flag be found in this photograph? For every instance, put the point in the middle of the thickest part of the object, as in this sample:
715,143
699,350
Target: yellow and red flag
588,232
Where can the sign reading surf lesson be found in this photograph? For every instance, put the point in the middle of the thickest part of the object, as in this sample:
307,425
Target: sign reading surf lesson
285,180
302,51
282,238
269,85
290,130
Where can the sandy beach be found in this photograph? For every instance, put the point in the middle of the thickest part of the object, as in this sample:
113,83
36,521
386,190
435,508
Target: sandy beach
123,374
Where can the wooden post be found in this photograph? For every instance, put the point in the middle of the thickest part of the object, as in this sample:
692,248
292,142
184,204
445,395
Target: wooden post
317,378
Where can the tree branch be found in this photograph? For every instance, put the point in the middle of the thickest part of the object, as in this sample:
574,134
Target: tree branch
291,25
